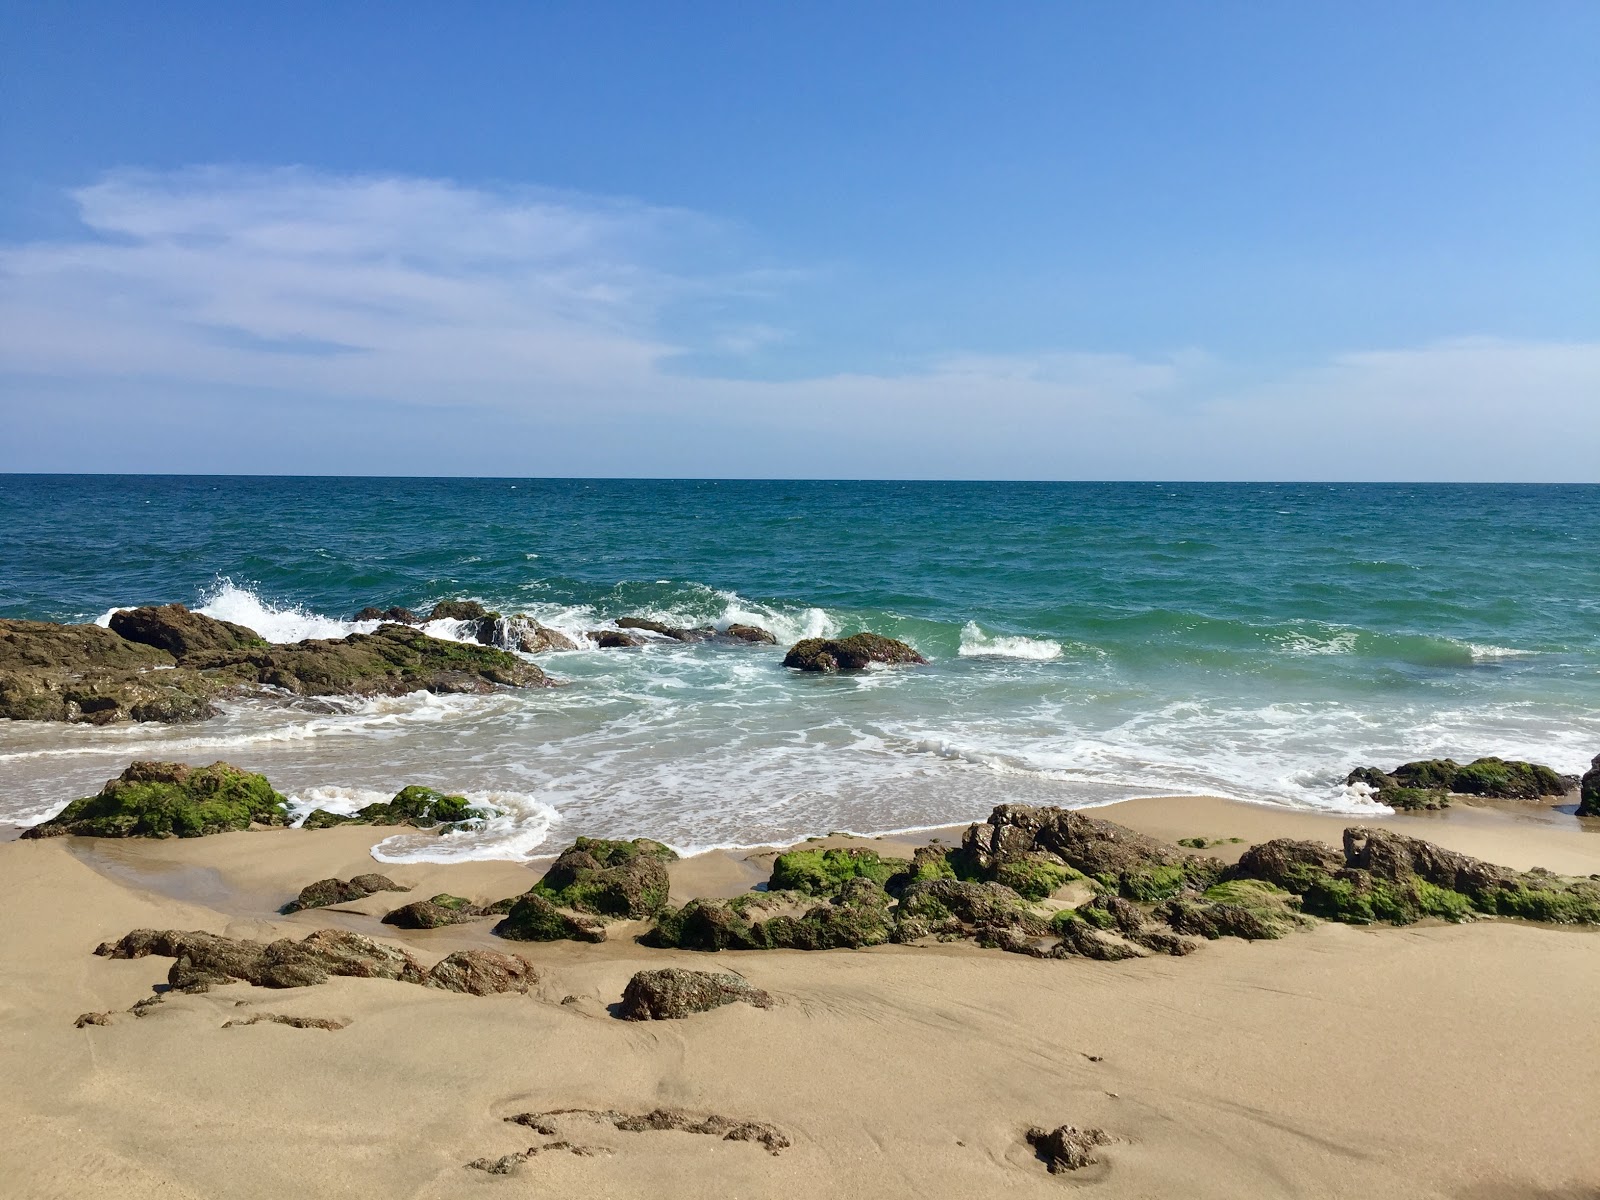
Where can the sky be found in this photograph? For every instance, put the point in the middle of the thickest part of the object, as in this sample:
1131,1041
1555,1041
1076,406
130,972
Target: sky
1070,240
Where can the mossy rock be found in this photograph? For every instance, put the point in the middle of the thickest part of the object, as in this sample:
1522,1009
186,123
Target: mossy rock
853,653
860,916
1034,877
532,918
1508,780
625,879
156,799
423,807
825,872
1412,799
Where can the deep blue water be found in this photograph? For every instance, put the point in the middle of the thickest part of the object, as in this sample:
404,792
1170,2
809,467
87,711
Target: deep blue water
1088,639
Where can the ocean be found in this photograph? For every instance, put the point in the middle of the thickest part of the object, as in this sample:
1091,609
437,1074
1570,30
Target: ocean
1088,642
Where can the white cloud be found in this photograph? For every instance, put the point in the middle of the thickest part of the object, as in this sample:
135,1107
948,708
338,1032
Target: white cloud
548,309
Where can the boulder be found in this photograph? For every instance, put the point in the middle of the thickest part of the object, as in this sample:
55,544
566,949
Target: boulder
1589,790
848,654
339,891
156,799
457,610
173,628
532,918
395,615
1066,1147
1425,784
825,872
416,805
673,993
443,909
613,639
753,634
482,973
609,878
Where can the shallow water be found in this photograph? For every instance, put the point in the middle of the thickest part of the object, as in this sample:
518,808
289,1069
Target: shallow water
1089,641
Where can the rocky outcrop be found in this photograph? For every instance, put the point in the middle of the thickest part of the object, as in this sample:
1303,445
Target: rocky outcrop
394,615
1589,790
457,610
848,654
174,663
609,878
156,799
341,891
701,633
390,661
753,634
422,807
83,673
482,973
1428,784
1066,1147
206,960
521,633
173,628
672,993
532,918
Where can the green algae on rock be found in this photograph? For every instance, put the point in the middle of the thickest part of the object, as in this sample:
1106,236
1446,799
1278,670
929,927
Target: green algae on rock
532,918
339,891
423,807
825,872
156,799
859,916
609,878
1428,784
853,653
89,675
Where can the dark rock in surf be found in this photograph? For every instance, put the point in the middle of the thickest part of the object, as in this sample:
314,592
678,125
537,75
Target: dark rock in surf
395,615
1589,790
853,653
1426,784
457,610
753,634
613,639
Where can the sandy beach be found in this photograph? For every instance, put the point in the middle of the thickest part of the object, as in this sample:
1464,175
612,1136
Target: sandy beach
1434,1060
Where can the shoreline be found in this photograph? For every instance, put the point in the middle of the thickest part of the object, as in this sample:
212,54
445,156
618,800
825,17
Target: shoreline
1337,1061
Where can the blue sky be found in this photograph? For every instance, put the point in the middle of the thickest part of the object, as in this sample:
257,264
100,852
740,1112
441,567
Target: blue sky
1063,240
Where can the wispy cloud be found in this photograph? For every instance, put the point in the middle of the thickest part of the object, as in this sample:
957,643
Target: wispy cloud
551,308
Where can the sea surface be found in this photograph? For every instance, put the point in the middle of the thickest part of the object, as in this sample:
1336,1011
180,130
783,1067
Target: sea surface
1089,642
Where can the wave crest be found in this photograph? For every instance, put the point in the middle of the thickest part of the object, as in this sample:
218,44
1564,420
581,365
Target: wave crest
975,643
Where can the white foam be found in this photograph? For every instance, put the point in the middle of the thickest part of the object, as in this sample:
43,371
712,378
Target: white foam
226,601
1481,653
517,827
1311,645
975,643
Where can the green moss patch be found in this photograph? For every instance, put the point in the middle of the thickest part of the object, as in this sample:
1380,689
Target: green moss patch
825,872
152,799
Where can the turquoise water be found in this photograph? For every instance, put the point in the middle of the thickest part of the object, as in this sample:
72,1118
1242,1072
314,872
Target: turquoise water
1089,641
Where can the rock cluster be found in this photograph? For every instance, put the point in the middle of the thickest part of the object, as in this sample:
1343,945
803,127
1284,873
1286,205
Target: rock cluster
1429,784
165,663
672,993
205,960
853,653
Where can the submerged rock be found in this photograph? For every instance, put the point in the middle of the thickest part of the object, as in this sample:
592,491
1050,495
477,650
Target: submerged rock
339,891
848,654
173,628
672,993
156,799
609,878
1066,1147
676,633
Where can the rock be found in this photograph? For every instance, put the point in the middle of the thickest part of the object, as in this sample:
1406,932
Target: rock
1589,790
482,973
609,878
204,960
860,916
1020,843
443,909
672,993
83,673
327,1023
1493,777
338,891
155,799
1066,1147
173,628
390,661
92,1018
521,633
848,654
729,1129
1286,862
959,906
1082,940
753,634
532,918
457,610
613,639
416,805
825,872
395,615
